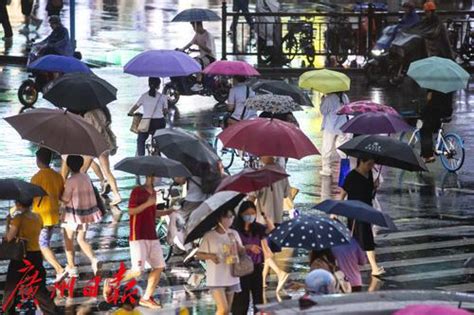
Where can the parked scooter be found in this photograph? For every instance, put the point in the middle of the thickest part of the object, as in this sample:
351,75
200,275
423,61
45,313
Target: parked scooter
215,86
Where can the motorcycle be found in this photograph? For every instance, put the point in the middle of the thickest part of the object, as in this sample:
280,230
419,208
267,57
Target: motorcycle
392,55
215,86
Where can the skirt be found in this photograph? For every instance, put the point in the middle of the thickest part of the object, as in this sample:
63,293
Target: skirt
363,234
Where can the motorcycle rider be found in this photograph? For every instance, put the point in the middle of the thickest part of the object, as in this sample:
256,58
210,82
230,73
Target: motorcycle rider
410,17
207,50
57,43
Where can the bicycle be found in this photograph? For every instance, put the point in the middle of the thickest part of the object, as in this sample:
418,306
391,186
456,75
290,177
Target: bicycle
449,146
299,38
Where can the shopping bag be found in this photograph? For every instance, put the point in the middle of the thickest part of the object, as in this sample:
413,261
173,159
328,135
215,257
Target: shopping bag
344,169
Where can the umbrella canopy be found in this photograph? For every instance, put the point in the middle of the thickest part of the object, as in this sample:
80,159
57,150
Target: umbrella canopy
17,189
152,166
249,180
60,131
424,309
276,104
279,87
226,67
275,138
196,15
385,151
439,74
57,63
196,154
357,210
204,218
325,81
162,63
310,232
366,106
80,92
375,123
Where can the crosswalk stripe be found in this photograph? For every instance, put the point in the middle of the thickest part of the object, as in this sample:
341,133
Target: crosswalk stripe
431,274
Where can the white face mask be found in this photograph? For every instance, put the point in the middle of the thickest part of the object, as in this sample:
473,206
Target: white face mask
249,218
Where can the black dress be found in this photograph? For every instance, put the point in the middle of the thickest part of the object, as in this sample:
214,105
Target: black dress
360,188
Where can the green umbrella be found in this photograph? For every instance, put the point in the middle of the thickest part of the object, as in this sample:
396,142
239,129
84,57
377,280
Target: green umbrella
325,81
439,74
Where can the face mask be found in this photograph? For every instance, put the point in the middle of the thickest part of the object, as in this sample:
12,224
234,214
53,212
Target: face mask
249,218
227,222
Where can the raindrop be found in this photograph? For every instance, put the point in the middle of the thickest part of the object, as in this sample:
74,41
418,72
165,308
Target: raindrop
343,240
303,237
321,245
282,232
306,222
302,227
330,229
299,244
287,244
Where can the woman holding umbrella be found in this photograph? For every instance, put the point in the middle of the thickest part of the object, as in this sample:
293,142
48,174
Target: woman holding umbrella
359,185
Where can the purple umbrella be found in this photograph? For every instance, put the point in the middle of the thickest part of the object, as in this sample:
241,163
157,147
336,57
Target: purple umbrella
162,63
376,123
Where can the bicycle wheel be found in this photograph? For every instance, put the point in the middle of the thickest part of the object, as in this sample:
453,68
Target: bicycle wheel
162,232
452,152
225,154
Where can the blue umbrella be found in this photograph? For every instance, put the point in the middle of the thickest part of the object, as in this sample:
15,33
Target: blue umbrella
357,210
162,63
196,15
310,232
56,63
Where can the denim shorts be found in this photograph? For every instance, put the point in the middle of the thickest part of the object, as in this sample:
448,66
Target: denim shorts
45,236
228,289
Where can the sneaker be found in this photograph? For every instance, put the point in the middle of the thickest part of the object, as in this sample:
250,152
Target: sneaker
282,281
61,276
72,272
150,303
96,266
197,87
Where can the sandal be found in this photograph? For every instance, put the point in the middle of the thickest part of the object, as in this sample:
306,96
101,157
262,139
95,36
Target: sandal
379,272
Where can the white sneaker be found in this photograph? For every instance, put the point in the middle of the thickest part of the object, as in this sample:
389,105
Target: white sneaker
196,87
60,276
72,272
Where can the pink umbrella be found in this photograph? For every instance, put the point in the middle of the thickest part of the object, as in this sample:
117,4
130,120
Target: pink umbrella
431,310
226,67
252,180
268,137
361,107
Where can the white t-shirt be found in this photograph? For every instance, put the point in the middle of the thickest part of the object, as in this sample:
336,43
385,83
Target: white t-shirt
194,192
148,103
238,96
207,40
221,245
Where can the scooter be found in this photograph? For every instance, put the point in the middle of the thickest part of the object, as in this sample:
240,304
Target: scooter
215,86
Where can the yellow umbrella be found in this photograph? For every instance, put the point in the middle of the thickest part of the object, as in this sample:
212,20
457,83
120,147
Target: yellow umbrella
325,81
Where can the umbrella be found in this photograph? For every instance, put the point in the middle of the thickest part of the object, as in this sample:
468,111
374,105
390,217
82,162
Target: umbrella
357,210
385,151
226,67
162,63
152,166
60,131
360,107
80,92
375,123
424,309
276,104
268,137
310,232
439,74
196,15
204,217
16,189
56,63
196,154
325,81
279,87
249,180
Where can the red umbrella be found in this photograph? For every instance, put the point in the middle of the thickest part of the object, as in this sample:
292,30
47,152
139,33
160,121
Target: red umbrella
252,180
268,137
360,107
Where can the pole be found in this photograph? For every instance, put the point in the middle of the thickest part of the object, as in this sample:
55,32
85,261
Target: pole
72,23
224,31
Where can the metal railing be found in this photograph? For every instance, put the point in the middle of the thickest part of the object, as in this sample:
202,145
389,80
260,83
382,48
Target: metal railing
307,35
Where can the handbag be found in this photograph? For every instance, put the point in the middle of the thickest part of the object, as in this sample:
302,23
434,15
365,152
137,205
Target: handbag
135,122
243,267
344,169
13,250
144,124
99,200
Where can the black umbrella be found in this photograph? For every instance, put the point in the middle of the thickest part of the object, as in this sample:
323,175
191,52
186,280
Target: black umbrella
282,88
204,218
310,232
17,189
152,166
196,154
357,210
385,151
80,92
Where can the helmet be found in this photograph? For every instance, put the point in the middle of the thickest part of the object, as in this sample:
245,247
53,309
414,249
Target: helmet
429,6
54,19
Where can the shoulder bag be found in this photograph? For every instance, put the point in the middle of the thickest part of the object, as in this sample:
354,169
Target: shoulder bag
13,250
144,124
243,267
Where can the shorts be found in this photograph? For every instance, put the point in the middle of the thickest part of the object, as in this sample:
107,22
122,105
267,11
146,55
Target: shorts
75,226
26,7
228,289
45,236
146,251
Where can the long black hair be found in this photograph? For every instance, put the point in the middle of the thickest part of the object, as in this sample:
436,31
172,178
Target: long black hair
256,229
154,84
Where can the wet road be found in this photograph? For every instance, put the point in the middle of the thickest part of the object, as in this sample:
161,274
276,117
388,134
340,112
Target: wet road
433,211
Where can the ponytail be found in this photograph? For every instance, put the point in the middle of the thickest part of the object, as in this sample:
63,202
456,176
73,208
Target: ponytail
154,84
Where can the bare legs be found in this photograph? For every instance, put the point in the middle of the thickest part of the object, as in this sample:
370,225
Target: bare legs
105,168
223,301
270,263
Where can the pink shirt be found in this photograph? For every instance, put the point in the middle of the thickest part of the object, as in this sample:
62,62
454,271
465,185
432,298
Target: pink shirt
82,205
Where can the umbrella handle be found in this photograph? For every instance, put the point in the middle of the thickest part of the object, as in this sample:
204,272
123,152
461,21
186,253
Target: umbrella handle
378,177
353,227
